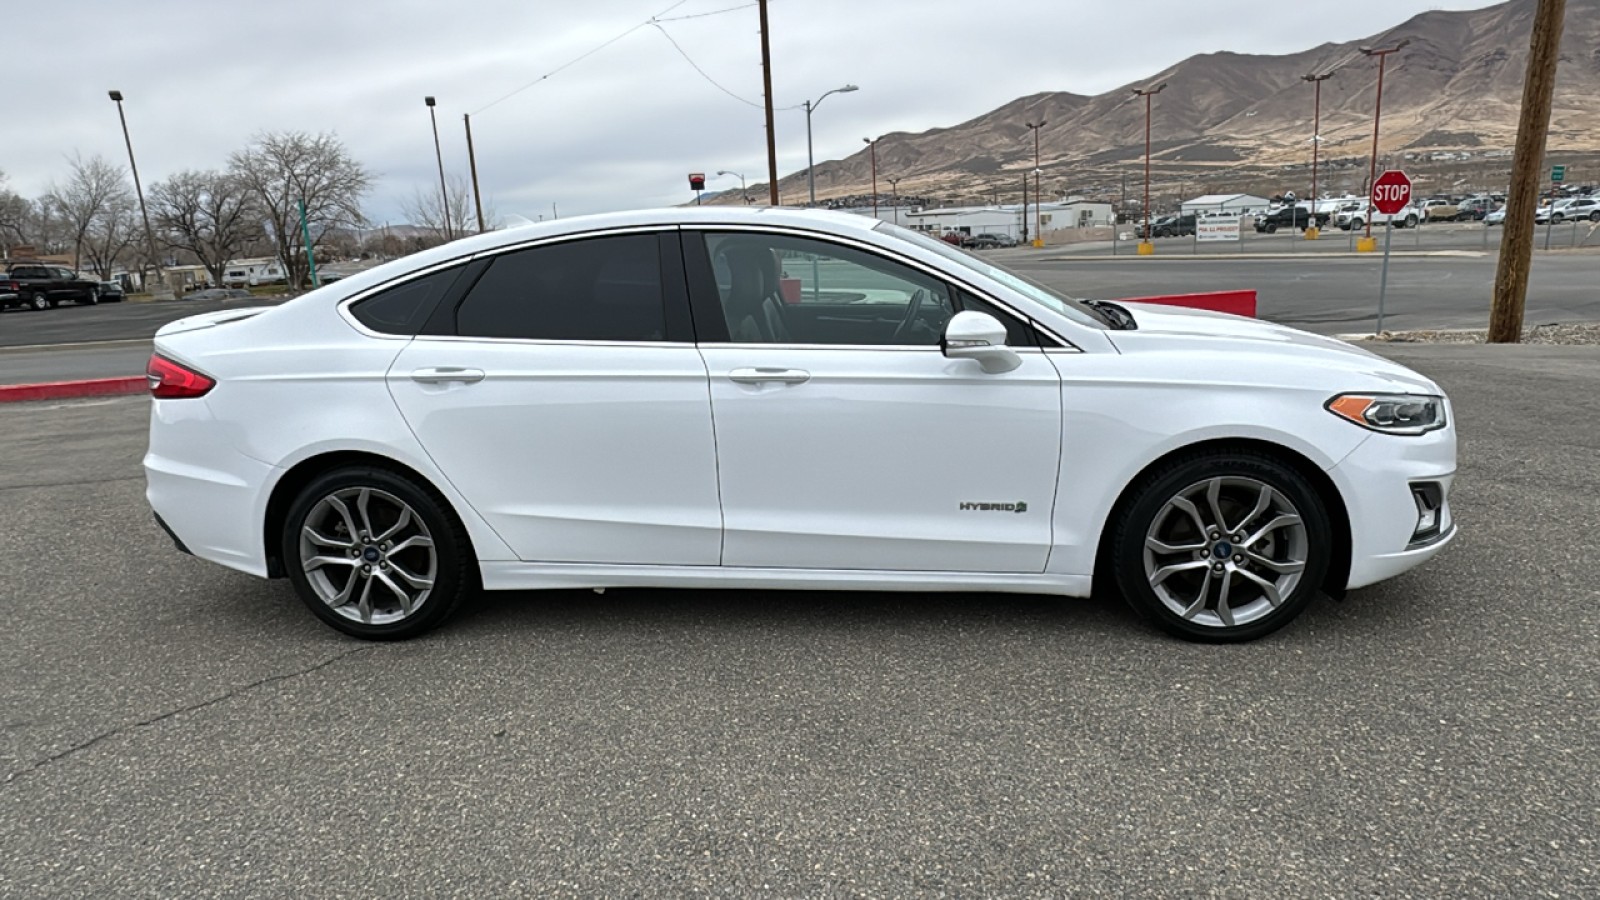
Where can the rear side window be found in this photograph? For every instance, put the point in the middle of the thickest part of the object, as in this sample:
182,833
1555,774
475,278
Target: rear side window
402,309
595,289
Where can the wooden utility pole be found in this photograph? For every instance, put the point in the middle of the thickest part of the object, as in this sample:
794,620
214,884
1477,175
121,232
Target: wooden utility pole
1527,169
766,83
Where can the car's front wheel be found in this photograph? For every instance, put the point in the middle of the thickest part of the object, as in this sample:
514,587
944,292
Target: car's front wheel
376,555
1222,547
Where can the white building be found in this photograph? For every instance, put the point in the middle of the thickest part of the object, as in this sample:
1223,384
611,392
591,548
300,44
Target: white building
1231,204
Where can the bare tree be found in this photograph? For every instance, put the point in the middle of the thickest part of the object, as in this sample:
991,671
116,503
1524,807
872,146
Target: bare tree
423,209
283,170
15,211
93,185
110,235
213,215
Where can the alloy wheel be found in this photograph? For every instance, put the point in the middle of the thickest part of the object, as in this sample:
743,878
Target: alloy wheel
1226,551
368,555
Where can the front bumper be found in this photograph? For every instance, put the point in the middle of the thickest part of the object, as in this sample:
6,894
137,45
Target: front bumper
1376,481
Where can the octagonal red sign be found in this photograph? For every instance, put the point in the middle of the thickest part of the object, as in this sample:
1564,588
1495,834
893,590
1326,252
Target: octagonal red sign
1391,192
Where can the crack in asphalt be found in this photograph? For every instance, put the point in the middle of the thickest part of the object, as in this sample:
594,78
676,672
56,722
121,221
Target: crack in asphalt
73,483
194,707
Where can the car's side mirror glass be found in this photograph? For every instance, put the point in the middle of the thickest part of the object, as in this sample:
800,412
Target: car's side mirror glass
980,337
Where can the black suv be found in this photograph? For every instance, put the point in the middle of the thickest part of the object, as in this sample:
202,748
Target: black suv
37,285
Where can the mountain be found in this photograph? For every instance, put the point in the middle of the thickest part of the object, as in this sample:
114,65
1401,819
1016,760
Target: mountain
1235,121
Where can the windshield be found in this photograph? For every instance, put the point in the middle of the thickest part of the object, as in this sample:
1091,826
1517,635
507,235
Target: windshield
1049,298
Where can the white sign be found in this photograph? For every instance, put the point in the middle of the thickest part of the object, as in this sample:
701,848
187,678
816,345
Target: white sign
1216,230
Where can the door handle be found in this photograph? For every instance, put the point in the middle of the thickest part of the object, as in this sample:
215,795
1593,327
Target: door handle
763,374
447,374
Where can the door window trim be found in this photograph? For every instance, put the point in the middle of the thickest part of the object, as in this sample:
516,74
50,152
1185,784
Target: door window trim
706,303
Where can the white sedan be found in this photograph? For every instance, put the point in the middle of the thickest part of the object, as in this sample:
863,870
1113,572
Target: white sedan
781,399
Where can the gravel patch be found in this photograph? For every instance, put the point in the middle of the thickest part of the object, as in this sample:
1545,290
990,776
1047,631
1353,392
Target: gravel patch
1583,333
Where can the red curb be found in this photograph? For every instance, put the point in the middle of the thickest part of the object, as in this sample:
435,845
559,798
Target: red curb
59,390
1239,303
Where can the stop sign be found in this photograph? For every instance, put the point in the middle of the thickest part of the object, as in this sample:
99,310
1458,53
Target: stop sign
1391,192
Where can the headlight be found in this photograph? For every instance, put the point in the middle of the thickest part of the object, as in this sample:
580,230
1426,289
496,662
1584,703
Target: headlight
1391,413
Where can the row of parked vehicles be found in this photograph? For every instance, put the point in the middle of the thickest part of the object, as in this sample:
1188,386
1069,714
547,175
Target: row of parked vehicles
38,285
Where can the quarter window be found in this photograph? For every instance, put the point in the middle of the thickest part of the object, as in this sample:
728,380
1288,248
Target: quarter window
402,309
595,289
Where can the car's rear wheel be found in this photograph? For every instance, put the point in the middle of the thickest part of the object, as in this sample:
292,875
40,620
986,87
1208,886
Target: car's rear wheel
1222,547
40,301
375,555
92,297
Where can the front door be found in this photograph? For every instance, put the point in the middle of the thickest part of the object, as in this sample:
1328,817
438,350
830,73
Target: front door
565,411
845,438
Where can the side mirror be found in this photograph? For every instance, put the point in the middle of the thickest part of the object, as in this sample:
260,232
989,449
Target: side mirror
979,336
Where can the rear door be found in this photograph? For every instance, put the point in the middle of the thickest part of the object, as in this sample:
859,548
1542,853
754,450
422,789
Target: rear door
564,398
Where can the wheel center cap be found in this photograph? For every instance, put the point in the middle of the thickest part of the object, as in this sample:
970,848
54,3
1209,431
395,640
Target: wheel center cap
1222,550
371,554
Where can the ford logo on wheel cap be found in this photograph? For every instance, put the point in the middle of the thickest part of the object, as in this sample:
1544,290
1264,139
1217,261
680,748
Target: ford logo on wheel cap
1222,550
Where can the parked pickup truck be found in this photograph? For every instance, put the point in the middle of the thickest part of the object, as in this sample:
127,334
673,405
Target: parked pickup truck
1289,217
40,286
1440,210
1355,216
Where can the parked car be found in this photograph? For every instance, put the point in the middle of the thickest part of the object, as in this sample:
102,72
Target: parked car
1157,226
1497,217
1571,209
987,241
533,408
1177,226
1357,214
1475,208
111,292
1297,217
40,285
1440,210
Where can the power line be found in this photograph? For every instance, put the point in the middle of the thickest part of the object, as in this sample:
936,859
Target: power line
692,63
714,12
581,58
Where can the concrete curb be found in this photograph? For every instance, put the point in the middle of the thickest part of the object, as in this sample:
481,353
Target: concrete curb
68,390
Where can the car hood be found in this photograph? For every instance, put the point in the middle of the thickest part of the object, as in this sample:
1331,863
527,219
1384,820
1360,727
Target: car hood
1212,335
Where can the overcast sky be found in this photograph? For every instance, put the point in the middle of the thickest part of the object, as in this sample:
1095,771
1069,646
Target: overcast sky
619,129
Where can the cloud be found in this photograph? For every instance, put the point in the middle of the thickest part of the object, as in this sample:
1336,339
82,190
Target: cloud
619,129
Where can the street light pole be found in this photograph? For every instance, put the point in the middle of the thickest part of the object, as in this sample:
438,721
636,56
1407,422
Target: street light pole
811,176
1145,246
1038,196
894,197
873,143
742,194
1316,143
144,212
1372,169
444,193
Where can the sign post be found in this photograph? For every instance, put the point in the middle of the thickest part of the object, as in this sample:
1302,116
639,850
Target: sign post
1391,191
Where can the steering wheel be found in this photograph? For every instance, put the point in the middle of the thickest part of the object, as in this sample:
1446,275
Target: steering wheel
903,330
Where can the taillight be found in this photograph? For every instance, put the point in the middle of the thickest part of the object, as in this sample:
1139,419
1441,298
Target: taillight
171,381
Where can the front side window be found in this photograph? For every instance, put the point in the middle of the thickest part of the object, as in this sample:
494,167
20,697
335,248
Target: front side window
593,289
781,289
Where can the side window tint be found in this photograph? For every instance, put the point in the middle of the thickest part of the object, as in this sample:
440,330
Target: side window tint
779,289
1018,332
596,289
403,308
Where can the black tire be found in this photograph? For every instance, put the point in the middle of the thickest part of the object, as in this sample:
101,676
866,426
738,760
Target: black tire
1149,499
1594,217
1272,228
1557,219
92,298
456,570
39,301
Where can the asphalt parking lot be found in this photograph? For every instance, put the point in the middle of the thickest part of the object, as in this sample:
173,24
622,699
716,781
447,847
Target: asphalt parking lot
171,728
